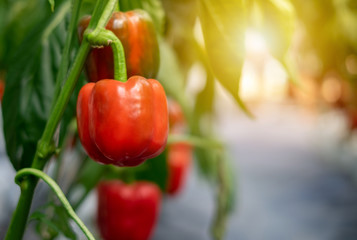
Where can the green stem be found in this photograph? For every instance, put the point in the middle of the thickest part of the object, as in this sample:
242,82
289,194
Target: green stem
195,141
19,219
57,190
46,147
219,224
103,37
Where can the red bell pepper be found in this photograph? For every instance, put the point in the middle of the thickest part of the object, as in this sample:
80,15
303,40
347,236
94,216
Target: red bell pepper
2,89
127,212
176,118
179,159
179,155
136,32
123,123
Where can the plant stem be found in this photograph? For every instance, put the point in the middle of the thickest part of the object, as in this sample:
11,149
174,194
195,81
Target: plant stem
57,190
119,57
195,141
103,37
218,227
45,147
19,219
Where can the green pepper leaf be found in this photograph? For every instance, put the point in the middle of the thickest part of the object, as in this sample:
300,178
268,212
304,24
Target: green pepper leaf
156,12
153,7
30,86
324,34
346,13
17,18
44,225
154,170
223,26
203,112
225,196
88,177
53,220
52,4
276,20
170,75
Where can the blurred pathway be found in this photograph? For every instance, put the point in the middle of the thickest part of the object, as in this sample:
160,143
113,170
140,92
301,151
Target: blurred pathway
286,191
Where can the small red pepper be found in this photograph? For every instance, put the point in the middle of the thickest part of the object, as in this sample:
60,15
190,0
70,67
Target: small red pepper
127,212
179,159
2,89
123,123
137,34
179,155
176,118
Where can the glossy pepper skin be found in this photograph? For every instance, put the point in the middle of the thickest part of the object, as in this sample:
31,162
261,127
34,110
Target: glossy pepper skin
179,155
137,34
127,212
122,123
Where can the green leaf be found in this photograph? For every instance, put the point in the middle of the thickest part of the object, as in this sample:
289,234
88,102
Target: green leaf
154,170
225,195
44,226
203,110
170,75
17,19
276,20
53,220
223,26
206,162
179,31
156,12
153,7
323,33
30,85
205,99
52,4
91,174
62,219
346,13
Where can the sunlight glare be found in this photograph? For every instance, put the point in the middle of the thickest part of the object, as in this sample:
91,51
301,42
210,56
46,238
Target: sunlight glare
254,42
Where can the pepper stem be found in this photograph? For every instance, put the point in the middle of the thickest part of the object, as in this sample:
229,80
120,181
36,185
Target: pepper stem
196,141
53,185
104,37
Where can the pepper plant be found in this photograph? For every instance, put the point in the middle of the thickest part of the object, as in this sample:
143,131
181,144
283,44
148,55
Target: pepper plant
43,63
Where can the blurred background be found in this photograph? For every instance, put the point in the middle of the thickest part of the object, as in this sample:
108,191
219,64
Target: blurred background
295,159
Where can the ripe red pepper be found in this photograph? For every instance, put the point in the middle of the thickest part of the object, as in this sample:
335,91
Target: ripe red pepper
179,155
2,89
122,123
127,212
179,159
176,117
136,32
